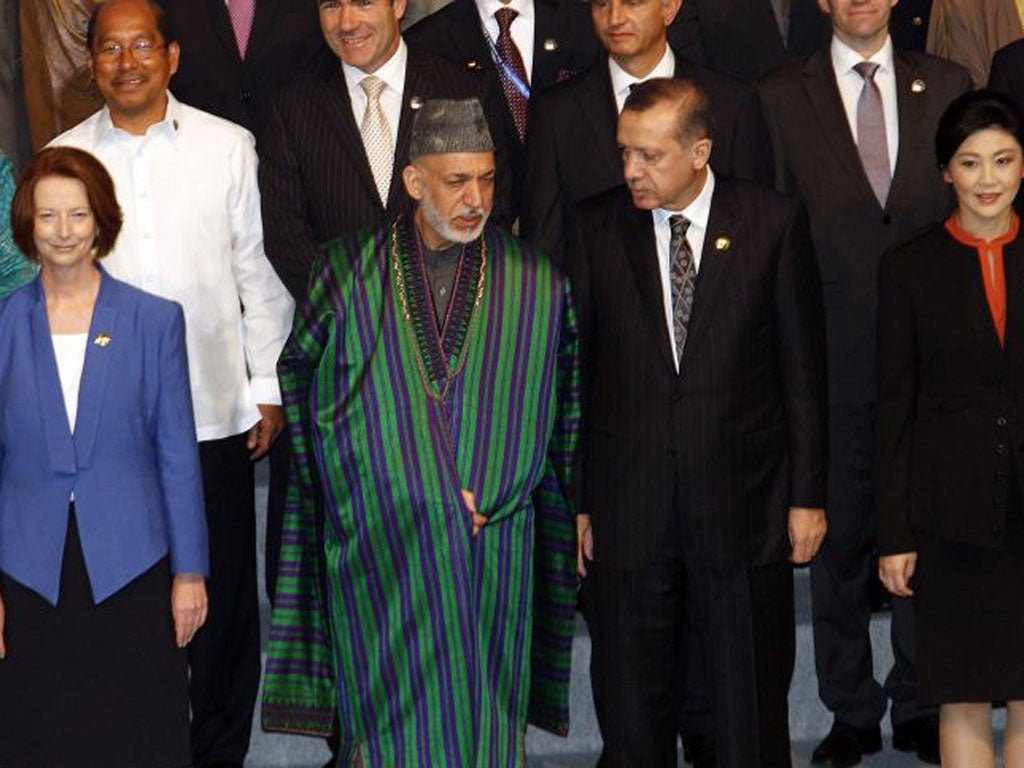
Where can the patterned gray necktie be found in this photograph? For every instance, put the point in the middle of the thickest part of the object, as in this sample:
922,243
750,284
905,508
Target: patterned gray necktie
682,276
872,145
377,136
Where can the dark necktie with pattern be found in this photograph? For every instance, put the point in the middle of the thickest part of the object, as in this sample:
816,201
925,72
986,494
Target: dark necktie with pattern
872,144
511,70
682,276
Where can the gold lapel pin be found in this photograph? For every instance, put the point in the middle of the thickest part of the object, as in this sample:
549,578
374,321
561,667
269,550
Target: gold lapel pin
473,65
551,44
723,244
101,339
415,102
918,86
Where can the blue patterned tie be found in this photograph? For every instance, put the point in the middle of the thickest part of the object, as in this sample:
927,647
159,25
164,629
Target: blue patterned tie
682,275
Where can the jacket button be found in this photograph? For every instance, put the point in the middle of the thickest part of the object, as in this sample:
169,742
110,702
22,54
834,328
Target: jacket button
1000,449
246,95
677,398
1001,421
672,453
999,477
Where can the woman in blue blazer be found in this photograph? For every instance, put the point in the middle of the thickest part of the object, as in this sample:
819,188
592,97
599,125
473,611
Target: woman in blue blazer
103,543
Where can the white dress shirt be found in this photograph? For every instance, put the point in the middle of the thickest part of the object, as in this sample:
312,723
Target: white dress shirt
69,351
844,58
193,233
522,28
622,81
392,72
697,212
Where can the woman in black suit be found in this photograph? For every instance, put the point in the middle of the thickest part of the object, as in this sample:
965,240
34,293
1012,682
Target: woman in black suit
950,435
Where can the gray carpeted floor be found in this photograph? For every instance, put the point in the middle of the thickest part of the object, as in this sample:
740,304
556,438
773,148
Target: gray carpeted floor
809,721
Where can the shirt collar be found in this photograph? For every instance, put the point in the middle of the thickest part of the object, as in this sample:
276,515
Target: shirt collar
487,8
699,211
844,58
392,71
622,80
169,126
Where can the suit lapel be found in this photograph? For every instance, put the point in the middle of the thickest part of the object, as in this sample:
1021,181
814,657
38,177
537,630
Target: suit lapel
721,246
549,25
597,103
823,94
262,23
910,105
59,445
222,25
642,256
466,36
414,78
94,373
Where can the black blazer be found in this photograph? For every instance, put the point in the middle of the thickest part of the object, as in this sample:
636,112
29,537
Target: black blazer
573,153
815,156
908,24
949,410
741,38
563,45
315,180
285,40
719,452
1007,73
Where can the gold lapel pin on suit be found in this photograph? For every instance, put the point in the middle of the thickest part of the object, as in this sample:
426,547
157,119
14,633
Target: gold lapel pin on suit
918,86
551,44
473,65
415,102
102,339
723,244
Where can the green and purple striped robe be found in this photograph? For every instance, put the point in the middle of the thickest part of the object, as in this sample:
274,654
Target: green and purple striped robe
434,645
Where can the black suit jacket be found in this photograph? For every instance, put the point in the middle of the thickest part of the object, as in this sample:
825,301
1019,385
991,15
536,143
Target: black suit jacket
719,452
573,153
563,45
816,157
1007,73
315,180
741,38
949,410
908,24
285,41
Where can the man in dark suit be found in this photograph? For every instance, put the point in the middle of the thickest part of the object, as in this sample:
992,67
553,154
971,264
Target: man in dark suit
852,129
745,39
1007,73
909,24
704,436
318,179
234,62
572,153
553,39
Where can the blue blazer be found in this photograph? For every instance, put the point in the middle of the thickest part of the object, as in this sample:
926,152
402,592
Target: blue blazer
132,462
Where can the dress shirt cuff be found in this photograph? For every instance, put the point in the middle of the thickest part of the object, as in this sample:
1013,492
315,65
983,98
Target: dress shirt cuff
265,390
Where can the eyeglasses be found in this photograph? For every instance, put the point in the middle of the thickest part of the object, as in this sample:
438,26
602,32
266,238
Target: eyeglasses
141,50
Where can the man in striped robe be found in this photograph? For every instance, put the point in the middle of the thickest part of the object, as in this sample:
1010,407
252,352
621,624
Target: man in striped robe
427,571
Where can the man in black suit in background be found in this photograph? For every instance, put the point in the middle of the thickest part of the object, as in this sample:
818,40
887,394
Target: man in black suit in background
852,129
745,39
572,153
239,52
548,42
704,435
336,139
1007,73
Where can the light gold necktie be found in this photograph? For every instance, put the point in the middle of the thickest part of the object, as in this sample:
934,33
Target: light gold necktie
377,136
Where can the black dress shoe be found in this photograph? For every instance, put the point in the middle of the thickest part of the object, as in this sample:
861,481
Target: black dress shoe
699,751
845,745
921,736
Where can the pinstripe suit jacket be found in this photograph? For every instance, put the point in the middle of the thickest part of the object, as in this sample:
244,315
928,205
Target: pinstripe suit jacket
718,452
315,180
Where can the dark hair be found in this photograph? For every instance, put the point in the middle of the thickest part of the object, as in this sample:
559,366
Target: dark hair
972,112
162,27
67,163
692,105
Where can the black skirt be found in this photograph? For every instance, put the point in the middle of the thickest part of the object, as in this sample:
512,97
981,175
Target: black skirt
969,623
92,686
